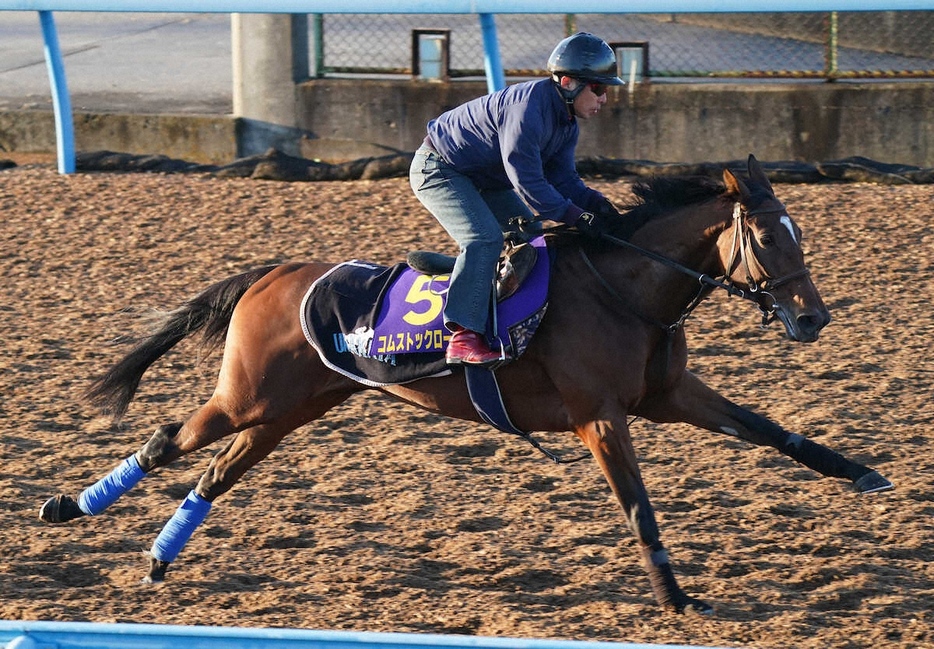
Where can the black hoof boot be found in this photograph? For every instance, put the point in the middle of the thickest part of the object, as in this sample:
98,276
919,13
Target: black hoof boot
156,571
872,483
60,509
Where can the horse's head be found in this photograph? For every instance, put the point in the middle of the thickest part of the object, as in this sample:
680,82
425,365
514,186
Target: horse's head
761,251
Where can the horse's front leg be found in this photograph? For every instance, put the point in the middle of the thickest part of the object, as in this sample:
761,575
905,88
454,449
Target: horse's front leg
691,401
611,446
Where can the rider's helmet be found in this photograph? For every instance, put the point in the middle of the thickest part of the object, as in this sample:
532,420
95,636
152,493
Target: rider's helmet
586,58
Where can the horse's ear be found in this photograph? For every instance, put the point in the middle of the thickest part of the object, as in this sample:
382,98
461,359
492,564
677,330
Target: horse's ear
735,187
757,175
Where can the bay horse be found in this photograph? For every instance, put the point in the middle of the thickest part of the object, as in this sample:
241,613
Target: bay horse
610,346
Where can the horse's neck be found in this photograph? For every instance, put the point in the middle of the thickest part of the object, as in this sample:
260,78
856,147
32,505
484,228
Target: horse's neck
688,237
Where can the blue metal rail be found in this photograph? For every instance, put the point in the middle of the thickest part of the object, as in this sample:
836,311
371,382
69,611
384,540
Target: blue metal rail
61,101
85,635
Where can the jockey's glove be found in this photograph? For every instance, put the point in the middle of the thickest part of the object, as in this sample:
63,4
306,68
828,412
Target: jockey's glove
592,225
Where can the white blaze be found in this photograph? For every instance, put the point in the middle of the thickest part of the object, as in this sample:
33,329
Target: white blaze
786,221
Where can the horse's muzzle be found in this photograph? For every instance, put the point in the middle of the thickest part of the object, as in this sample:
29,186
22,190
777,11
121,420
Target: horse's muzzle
804,327
803,319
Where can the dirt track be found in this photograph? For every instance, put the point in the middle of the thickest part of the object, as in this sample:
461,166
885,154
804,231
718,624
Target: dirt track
381,517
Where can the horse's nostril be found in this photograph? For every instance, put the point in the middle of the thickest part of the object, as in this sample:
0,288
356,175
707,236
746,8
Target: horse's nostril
811,323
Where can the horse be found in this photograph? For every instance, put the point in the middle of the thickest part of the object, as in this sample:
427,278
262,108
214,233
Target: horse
610,347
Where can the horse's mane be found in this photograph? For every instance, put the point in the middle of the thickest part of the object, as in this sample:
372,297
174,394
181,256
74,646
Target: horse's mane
660,195
663,194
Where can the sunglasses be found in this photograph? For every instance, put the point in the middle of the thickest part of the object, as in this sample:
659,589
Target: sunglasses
598,89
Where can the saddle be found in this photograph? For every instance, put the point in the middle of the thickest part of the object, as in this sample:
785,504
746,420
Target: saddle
515,264
383,325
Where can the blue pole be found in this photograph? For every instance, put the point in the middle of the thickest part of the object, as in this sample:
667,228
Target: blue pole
61,102
491,63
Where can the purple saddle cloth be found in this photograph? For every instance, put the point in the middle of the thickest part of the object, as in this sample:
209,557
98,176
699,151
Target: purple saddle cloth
383,325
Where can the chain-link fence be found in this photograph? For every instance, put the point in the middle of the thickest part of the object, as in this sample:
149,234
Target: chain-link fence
757,45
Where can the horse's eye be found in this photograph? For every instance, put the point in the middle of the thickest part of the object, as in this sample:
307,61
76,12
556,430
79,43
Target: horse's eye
766,240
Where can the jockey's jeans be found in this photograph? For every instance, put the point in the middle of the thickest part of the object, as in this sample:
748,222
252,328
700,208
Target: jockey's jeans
476,220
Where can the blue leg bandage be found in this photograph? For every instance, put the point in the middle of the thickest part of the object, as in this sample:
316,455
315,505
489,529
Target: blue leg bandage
105,492
173,537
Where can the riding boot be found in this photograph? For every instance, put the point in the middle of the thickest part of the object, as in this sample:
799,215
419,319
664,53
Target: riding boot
469,347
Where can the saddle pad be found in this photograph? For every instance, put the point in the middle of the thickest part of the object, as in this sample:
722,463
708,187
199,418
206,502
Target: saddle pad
383,325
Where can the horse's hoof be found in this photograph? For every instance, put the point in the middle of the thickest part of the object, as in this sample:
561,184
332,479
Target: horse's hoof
693,606
872,483
60,509
697,607
156,571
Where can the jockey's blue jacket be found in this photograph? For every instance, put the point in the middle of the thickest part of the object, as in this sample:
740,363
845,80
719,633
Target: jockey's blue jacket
523,137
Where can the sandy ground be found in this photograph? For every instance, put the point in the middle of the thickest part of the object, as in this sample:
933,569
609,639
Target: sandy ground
383,518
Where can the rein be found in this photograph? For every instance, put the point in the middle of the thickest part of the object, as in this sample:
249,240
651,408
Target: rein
739,254
754,291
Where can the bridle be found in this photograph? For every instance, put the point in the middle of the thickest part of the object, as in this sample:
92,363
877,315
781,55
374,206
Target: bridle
741,255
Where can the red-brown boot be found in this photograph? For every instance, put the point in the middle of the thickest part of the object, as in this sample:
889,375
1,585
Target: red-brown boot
469,347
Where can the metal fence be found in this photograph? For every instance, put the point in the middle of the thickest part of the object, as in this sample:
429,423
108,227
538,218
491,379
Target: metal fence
823,45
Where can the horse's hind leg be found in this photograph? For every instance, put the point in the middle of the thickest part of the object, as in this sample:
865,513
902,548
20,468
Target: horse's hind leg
167,444
208,424
106,491
170,442
253,442
695,403
226,468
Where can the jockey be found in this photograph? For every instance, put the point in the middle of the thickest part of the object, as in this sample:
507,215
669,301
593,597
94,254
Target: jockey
504,155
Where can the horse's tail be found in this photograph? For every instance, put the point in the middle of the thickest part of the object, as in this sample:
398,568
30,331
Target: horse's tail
208,312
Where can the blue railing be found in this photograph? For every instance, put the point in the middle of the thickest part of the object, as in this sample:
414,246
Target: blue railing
72,635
